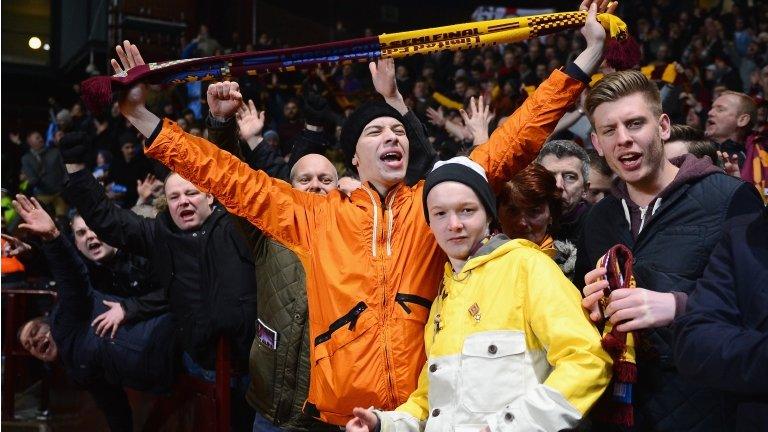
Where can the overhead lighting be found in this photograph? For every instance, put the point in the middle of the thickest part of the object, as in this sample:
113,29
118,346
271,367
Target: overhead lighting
46,47
35,42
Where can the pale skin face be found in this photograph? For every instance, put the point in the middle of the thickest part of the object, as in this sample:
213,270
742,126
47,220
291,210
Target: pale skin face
630,138
314,173
725,121
36,338
188,206
381,155
457,219
570,181
599,186
531,224
88,242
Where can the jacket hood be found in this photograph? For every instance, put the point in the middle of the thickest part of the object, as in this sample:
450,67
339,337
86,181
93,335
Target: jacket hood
496,246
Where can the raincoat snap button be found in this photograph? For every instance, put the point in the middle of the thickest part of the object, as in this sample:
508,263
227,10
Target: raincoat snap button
508,417
435,412
432,368
492,349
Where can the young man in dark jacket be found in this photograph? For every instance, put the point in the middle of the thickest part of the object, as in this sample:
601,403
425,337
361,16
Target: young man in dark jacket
140,355
670,214
722,339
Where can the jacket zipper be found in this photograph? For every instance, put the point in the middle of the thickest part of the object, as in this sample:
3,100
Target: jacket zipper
390,223
374,235
402,299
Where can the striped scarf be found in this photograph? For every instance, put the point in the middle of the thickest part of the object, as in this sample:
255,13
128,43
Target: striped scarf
97,91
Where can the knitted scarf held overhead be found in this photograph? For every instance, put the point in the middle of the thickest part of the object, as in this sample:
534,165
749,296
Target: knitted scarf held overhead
622,52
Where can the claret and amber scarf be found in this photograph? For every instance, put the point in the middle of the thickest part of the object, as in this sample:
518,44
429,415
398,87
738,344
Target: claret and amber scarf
97,91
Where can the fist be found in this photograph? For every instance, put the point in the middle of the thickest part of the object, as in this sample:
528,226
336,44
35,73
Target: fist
224,99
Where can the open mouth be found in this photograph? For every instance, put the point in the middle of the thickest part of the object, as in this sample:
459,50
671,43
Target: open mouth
186,214
93,246
630,161
392,158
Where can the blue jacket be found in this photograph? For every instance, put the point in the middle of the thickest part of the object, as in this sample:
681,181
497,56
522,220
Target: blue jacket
722,340
141,356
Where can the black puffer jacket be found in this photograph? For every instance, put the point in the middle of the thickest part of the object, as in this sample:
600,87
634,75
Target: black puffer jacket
207,274
670,253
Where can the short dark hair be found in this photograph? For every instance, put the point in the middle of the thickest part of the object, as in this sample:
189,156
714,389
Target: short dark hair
598,163
530,188
566,148
695,141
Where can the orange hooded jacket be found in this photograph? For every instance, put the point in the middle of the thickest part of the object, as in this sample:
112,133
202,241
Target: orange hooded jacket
373,266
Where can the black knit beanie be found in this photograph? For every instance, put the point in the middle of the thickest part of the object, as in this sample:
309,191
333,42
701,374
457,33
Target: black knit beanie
354,125
460,169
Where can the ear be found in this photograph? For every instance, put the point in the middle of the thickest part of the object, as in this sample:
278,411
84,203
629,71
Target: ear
586,189
209,199
596,143
743,120
665,127
355,161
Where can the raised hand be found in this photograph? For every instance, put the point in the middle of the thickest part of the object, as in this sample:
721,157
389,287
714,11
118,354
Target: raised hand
36,220
594,33
14,247
130,57
108,322
224,99
383,77
250,121
478,119
436,117
146,188
364,421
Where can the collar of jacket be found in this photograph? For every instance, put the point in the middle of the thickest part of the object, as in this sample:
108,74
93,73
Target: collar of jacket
498,245
382,214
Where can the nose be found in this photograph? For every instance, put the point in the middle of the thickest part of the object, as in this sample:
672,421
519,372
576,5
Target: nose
558,182
389,135
314,186
90,235
454,222
622,135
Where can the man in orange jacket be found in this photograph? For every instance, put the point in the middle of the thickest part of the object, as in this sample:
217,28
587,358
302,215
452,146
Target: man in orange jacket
372,265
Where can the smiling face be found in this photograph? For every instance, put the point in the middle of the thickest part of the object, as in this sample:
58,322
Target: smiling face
630,138
381,154
88,243
457,219
35,337
188,206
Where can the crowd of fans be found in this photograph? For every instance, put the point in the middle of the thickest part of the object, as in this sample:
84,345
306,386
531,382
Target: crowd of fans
141,255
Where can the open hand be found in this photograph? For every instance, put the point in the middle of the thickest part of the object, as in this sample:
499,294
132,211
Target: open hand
14,247
250,121
36,220
130,57
478,119
730,163
436,117
108,322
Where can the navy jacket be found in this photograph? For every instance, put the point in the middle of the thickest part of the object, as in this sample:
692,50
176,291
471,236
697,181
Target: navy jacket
722,340
141,356
670,254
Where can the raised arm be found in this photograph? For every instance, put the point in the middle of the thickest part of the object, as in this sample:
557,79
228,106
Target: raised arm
514,145
271,205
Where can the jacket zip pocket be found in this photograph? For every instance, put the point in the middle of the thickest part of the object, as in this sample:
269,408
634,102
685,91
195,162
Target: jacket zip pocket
349,318
402,299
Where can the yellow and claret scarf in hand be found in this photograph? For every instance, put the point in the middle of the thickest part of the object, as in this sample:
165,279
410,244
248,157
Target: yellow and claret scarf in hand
615,406
622,52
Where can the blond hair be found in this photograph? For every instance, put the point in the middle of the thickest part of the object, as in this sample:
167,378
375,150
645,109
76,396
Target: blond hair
617,85
747,106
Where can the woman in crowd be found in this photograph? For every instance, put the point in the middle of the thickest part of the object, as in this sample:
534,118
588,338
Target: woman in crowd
517,355
530,206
